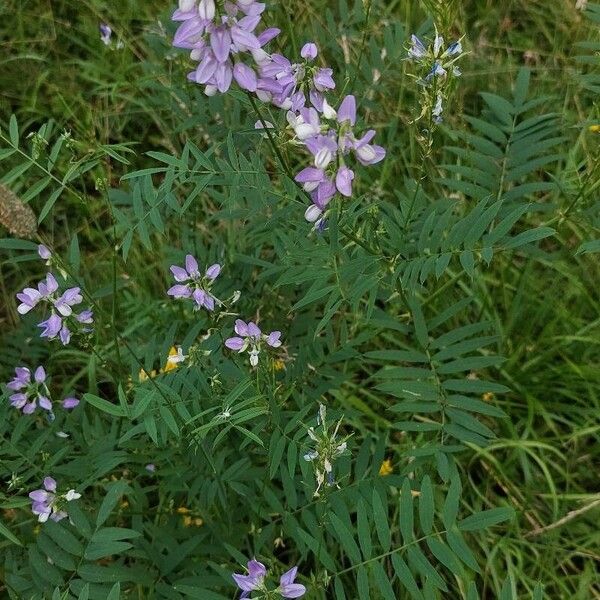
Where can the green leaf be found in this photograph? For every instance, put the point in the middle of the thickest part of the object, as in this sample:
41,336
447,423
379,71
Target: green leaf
63,538
406,577
364,530
382,581
486,518
426,505
108,407
380,516
114,493
346,538
5,531
96,550
115,592
13,129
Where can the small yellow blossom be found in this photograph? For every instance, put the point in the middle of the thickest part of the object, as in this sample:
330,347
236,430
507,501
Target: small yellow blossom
183,510
594,128
191,521
143,375
278,364
386,467
175,357
488,396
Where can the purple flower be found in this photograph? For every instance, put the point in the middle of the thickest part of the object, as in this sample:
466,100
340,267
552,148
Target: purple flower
70,403
29,298
343,181
287,587
44,253
67,300
323,80
29,393
453,49
417,50
56,325
218,38
249,337
51,327
105,33
46,503
253,581
309,51
347,110
192,284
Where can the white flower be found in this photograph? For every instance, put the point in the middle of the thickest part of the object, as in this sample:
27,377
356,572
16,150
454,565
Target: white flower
313,212
328,111
177,358
72,495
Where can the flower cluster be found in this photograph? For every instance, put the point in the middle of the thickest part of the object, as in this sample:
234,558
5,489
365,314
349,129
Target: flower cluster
62,319
330,141
251,339
287,85
255,580
192,284
327,449
220,41
29,393
220,38
438,66
46,503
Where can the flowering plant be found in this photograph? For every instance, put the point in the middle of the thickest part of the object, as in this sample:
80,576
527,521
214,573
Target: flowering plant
281,246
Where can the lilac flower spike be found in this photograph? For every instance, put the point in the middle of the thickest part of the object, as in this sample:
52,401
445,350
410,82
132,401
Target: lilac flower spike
219,38
329,143
46,503
287,587
29,392
192,284
251,339
57,324
253,581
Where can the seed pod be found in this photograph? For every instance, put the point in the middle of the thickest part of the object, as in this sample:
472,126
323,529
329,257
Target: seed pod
15,215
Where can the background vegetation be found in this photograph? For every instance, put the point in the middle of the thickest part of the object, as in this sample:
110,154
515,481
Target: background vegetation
541,303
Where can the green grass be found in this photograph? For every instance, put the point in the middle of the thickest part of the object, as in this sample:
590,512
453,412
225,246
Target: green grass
545,308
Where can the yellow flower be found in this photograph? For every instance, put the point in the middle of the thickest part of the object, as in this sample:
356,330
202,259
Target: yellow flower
386,467
594,128
182,510
189,521
175,357
488,396
143,376
278,364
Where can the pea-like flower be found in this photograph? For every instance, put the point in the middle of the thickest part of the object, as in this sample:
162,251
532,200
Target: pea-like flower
287,85
46,503
287,587
252,339
330,145
254,580
437,65
218,37
62,319
327,449
31,392
192,284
